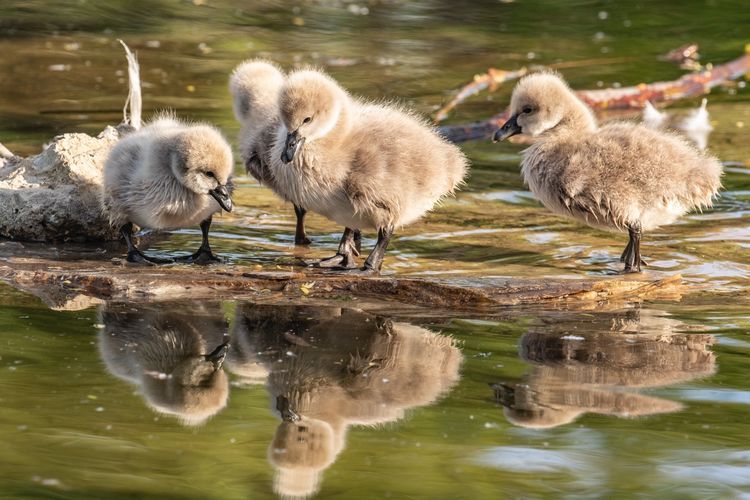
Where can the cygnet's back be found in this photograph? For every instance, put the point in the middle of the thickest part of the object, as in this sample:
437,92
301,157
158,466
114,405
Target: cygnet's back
400,159
160,176
622,173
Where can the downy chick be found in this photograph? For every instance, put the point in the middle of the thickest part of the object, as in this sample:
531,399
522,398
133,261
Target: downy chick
255,86
365,166
168,175
598,365
174,356
618,177
331,368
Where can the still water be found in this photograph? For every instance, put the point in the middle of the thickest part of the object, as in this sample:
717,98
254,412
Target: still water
147,400
619,400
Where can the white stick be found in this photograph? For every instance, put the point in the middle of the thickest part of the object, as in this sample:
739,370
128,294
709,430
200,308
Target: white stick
135,100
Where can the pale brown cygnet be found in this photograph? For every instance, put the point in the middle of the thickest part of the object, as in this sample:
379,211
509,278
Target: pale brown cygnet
618,177
597,364
363,165
330,369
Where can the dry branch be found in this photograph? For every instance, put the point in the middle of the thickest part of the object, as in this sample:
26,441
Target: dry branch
634,97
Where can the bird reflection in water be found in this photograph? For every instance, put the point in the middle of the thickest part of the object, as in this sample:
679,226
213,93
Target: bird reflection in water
173,353
328,369
595,363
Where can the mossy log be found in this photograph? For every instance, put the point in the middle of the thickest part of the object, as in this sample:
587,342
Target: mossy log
77,284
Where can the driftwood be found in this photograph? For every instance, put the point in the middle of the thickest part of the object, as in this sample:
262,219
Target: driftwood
634,97
81,283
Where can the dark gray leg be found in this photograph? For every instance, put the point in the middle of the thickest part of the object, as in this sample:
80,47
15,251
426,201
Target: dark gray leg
346,256
358,241
627,250
204,255
632,254
135,255
375,260
300,237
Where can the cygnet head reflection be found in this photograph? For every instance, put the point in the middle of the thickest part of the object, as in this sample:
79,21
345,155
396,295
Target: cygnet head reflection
594,363
173,354
329,369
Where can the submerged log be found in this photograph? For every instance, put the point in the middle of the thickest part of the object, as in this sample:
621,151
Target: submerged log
82,283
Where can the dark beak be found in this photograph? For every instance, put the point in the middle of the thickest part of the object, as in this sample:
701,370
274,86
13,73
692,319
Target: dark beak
216,357
283,407
293,143
510,129
221,195
504,394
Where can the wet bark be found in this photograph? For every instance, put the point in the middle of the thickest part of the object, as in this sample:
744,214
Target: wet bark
76,284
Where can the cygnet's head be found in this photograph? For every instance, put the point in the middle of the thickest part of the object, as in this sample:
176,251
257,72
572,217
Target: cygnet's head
300,452
310,105
540,103
255,87
521,408
201,160
196,389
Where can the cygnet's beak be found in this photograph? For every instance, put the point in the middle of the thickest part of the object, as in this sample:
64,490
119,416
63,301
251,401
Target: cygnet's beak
284,408
293,143
221,195
510,129
217,356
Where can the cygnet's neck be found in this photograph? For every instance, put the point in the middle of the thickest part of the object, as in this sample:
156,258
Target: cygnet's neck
341,129
577,118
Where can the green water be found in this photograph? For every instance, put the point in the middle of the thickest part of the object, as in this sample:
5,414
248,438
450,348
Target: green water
618,400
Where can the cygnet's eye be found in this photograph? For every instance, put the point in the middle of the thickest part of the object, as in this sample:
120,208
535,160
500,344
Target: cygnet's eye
527,109
210,174
307,120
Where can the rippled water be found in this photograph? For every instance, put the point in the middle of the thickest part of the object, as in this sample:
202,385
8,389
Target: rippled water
615,401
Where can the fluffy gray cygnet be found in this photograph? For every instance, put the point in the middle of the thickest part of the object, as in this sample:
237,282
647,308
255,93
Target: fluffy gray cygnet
168,175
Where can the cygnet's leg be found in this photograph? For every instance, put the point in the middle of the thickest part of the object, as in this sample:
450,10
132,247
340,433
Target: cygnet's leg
300,236
204,255
632,254
135,255
346,255
375,260
358,241
628,249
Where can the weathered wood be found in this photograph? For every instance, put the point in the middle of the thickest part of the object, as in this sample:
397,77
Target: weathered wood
81,283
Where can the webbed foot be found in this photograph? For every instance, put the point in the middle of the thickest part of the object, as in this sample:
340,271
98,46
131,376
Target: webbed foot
359,271
203,257
136,257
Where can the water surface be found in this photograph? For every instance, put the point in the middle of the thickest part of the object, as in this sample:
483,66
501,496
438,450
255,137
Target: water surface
612,401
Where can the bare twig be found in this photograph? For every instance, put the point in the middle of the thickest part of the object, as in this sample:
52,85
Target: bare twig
634,97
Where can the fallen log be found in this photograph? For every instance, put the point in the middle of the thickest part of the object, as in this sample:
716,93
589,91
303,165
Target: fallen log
633,97
82,283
